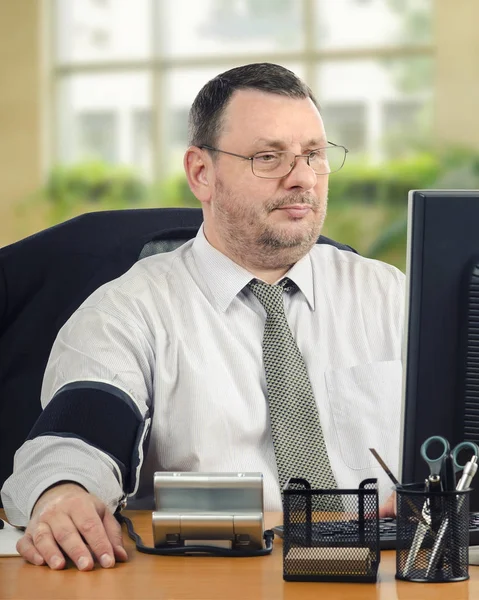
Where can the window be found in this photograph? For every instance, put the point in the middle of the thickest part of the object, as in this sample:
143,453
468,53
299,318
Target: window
402,115
141,147
372,24
216,27
127,71
97,135
80,24
347,122
96,108
355,92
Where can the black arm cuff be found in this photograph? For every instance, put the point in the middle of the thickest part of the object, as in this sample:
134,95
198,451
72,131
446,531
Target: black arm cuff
101,415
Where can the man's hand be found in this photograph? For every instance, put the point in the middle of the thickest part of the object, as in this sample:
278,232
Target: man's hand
388,509
67,519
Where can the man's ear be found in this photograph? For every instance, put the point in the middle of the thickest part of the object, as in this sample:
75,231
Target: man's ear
199,172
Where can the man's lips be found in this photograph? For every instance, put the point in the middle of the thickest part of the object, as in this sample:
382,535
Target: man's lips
296,210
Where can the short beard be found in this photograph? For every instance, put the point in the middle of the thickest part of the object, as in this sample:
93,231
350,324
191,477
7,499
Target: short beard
252,243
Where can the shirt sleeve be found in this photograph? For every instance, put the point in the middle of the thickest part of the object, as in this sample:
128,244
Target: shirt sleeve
96,399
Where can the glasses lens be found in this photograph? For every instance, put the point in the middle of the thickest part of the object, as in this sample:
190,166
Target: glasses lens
278,164
272,164
327,160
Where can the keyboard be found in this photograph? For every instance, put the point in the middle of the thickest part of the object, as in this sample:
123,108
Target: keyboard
323,533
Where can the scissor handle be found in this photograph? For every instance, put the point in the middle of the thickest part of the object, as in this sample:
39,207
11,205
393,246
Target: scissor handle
459,448
435,464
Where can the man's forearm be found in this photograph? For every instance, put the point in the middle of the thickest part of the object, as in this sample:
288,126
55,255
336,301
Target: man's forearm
45,461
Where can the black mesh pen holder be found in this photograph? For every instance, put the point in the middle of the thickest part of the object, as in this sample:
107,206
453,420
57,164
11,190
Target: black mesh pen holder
432,536
330,535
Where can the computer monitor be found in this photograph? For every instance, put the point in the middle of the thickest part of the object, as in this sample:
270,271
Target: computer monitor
441,361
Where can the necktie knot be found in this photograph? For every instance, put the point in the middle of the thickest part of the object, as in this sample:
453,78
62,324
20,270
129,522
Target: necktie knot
271,295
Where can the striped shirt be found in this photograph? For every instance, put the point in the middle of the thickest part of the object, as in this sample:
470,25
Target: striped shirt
179,336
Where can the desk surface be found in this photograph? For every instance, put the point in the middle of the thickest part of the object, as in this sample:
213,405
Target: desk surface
206,578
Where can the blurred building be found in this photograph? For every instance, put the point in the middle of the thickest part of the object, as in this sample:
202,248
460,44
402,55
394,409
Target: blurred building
128,71
114,79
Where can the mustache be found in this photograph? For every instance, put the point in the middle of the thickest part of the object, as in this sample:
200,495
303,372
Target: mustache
307,199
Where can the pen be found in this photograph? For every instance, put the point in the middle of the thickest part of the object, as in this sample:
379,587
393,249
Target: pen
388,472
421,531
435,485
470,470
386,469
464,483
436,508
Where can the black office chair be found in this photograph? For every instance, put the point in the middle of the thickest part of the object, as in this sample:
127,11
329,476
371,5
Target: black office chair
43,280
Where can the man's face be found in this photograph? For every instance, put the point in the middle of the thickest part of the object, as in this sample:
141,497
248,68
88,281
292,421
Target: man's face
266,223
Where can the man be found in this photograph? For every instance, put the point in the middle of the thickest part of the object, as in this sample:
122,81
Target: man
176,344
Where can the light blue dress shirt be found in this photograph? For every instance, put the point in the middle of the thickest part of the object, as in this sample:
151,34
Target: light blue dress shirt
182,336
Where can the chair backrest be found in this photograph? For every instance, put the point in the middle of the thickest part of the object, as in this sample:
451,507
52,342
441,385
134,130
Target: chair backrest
43,280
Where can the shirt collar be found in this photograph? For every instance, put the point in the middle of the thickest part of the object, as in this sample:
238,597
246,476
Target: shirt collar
226,279
302,275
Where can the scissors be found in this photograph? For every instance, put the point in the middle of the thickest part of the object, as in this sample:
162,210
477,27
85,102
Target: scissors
446,465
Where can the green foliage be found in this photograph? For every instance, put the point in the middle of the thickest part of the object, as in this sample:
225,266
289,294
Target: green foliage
367,201
460,169
368,204
361,181
173,191
92,185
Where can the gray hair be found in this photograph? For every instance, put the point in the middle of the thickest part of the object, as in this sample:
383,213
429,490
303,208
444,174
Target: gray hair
205,117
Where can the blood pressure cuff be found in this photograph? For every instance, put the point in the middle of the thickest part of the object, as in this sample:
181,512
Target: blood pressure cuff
101,415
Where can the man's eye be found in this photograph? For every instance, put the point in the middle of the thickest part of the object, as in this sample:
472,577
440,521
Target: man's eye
318,154
266,157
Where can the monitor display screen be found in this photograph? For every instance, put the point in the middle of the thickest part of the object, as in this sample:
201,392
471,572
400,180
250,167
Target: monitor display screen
441,361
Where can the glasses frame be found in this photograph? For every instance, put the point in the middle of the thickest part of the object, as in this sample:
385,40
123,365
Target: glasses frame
296,156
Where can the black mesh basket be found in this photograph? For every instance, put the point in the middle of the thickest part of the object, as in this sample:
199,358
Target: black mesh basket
432,535
330,535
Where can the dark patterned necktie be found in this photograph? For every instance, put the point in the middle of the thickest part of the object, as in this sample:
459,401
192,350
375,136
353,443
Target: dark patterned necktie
298,438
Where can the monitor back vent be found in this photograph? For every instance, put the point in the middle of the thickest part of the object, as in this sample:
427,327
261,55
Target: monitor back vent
471,374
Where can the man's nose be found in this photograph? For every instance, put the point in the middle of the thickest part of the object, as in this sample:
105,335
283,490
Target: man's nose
302,175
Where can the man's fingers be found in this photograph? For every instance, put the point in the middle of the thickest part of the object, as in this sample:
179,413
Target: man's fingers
113,530
388,509
44,543
67,519
91,528
68,538
26,548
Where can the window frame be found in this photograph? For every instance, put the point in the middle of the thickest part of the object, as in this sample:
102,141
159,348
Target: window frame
158,66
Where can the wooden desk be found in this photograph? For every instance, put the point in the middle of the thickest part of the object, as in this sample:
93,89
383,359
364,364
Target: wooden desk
206,578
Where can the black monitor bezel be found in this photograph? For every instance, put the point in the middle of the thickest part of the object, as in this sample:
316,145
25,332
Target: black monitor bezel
425,250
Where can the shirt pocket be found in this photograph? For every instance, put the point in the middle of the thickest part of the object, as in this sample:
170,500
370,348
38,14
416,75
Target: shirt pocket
365,404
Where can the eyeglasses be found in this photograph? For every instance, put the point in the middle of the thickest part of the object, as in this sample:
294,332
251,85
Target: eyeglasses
274,164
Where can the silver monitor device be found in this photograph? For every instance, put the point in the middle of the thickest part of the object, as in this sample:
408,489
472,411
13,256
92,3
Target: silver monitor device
209,508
